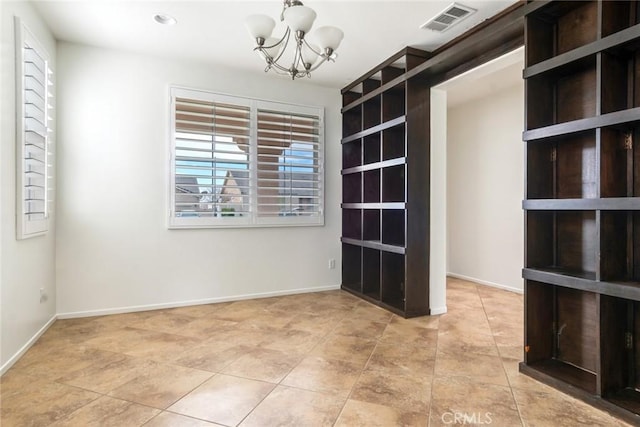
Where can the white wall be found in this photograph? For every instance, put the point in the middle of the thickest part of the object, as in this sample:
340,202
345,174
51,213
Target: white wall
485,179
438,209
114,250
26,265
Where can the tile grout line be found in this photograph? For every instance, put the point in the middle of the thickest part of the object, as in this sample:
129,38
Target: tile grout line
362,370
513,396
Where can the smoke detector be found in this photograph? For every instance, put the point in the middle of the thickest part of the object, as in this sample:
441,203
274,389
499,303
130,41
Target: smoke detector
448,17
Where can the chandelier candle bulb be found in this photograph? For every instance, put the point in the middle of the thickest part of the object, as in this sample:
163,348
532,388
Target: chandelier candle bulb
307,57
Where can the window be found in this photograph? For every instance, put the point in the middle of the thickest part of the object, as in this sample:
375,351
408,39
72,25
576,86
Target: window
34,134
238,162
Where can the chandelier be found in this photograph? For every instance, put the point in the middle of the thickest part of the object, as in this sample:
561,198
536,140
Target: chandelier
307,55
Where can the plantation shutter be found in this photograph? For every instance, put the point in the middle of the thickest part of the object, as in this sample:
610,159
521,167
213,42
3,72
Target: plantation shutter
289,164
34,153
212,156
241,162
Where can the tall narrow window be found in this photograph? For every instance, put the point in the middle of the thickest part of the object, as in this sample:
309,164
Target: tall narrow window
239,162
34,134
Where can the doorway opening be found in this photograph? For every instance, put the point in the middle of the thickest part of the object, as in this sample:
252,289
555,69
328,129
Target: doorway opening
477,178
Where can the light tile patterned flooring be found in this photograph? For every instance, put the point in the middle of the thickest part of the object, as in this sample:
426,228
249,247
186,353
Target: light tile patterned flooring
318,359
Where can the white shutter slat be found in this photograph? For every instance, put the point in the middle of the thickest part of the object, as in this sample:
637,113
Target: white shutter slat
35,112
32,69
32,55
35,98
198,160
222,148
38,86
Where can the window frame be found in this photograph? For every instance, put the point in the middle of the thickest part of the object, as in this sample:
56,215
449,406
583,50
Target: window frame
27,228
253,219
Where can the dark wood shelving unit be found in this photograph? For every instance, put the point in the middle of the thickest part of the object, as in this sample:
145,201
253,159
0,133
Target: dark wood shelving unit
582,205
385,147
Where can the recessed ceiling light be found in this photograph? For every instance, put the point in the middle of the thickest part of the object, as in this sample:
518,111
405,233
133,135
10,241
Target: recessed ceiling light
165,19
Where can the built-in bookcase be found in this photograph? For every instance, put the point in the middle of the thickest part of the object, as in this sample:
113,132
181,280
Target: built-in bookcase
384,161
582,201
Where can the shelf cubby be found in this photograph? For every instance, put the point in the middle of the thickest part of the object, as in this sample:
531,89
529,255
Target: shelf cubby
618,15
393,285
619,162
393,103
352,154
350,96
371,148
564,94
390,73
541,170
371,186
352,121
393,227
620,329
371,84
615,71
371,113
560,27
371,275
563,167
636,79
393,141
352,223
620,246
561,334
393,188
351,267
562,241
371,225
576,334
352,188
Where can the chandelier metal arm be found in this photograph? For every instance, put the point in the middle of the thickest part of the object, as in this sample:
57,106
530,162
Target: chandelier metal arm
324,56
284,39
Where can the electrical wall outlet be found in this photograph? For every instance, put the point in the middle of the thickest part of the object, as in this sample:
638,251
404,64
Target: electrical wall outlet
43,295
332,264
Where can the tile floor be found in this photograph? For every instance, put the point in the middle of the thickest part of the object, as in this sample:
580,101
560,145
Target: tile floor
323,359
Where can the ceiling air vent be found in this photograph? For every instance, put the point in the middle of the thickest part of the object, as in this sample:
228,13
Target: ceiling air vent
448,18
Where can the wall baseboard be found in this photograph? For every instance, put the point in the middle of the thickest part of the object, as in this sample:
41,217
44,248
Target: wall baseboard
9,363
485,282
438,310
131,309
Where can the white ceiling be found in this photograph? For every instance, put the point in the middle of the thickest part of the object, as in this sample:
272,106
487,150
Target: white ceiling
213,31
